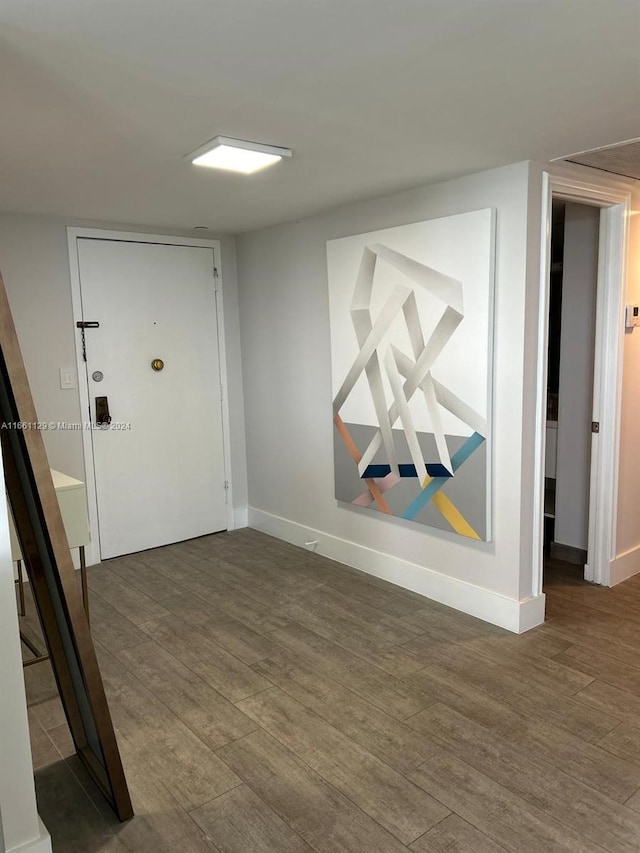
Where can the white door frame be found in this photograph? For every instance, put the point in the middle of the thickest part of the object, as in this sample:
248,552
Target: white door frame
93,549
615,207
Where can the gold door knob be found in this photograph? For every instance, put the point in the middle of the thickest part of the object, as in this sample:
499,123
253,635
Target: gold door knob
157,364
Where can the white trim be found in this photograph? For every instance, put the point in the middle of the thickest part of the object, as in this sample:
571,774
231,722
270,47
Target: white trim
611,289
607,398
517,616
42,844
73,233
222,356
624,566
240,517
540,436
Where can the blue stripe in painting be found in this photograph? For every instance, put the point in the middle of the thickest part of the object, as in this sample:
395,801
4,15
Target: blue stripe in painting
434,469
459,457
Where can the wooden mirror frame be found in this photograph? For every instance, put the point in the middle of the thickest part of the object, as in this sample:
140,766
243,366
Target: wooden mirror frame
47,558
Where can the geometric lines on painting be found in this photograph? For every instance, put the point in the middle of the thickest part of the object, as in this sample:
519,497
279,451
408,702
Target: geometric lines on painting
379,359
384,363
453,515
411,321
397,351
431,492
434,469
384,485
374,490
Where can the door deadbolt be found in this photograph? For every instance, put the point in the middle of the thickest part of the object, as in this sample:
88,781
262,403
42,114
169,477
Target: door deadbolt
97,376
102,411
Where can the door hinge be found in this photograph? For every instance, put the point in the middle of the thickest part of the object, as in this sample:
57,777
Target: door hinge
222,393
215,278
226,485
595,426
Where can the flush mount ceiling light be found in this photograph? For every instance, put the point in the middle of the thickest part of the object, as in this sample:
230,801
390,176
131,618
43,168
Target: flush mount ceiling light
237,155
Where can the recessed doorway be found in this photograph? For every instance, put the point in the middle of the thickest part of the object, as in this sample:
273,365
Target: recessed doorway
570,378
611,207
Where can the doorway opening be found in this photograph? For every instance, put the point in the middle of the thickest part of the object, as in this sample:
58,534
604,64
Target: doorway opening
612,205
570,427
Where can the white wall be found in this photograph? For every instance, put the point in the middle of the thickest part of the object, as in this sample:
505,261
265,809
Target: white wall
35,266
19,823
575,396
627,550
286,366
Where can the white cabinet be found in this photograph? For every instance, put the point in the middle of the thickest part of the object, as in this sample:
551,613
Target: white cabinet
72,497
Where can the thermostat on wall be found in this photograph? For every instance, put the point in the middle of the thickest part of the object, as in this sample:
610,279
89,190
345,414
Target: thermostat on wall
632,316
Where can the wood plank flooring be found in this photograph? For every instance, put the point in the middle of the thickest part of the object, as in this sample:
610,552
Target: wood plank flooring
268,700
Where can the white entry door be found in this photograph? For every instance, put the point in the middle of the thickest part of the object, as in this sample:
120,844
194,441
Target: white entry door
159,467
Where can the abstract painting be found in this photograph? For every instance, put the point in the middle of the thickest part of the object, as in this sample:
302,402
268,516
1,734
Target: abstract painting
411,311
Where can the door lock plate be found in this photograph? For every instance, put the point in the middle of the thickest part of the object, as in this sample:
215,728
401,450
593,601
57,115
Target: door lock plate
102,411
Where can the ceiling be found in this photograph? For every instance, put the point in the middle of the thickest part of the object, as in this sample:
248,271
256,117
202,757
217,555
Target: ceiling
619,159
101,100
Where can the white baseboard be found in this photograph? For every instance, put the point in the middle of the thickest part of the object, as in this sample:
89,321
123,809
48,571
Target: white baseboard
517,616
42,844
240,517
624,566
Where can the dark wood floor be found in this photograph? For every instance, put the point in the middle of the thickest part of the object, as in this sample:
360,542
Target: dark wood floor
268,700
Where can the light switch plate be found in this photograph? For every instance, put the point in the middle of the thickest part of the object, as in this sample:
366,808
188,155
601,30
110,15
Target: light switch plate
67,379
632,316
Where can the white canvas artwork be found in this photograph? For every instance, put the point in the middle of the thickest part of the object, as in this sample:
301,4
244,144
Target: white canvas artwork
411,311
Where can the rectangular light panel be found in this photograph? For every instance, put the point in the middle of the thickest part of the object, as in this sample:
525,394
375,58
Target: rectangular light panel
237,155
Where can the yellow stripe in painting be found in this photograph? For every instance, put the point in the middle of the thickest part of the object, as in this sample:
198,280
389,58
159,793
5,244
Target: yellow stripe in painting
453,515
